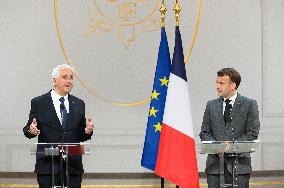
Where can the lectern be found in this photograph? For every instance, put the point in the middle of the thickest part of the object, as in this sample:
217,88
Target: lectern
51,150
233,149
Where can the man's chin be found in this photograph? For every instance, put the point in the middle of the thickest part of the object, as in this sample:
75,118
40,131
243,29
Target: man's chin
67,91
220,94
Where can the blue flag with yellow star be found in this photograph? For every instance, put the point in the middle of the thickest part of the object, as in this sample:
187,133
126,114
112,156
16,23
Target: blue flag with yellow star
157,105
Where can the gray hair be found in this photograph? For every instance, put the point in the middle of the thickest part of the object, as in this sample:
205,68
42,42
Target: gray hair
56,71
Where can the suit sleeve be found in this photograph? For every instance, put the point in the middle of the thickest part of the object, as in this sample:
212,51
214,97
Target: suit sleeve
32,115
206,131
84,136
253,124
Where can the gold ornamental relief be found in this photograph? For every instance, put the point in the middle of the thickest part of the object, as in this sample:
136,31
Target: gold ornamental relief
126,17
106,20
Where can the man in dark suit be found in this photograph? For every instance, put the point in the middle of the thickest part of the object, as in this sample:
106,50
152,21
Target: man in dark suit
231,117
55,117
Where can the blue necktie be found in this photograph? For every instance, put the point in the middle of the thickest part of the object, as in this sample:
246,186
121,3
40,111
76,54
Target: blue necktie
63,112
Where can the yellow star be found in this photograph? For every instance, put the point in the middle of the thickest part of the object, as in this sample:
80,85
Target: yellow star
158,127
155,94
153,112
164,81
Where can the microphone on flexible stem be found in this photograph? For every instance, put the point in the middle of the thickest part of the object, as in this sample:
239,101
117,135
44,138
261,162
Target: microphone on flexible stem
62,149
62,106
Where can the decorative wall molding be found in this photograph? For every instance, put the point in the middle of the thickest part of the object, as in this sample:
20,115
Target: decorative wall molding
272,156
270,61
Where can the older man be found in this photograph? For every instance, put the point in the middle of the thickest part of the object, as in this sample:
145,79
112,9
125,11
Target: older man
231,117
57,117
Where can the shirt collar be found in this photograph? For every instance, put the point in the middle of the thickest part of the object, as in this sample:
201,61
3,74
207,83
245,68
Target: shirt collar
57,97
233,98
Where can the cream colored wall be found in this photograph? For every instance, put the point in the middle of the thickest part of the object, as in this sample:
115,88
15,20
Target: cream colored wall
247,35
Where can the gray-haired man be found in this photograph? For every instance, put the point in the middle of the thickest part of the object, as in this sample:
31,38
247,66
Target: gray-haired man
46,122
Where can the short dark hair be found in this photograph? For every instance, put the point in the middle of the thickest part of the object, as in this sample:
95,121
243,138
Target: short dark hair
234,75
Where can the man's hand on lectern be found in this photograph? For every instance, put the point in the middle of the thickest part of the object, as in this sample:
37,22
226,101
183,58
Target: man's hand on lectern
227,146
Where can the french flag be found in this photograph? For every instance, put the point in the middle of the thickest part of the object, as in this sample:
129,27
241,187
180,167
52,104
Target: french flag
176,160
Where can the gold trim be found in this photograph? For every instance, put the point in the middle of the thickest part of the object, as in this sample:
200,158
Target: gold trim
195,32
84,84
135,23
177,10
163,11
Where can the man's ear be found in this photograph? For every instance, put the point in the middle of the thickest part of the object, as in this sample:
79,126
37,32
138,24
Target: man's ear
233,86
54,81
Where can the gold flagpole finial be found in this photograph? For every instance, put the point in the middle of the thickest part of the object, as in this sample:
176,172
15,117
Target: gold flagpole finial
163,11
177,9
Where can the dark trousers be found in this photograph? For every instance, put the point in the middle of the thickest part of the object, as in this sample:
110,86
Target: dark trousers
45,181
213,180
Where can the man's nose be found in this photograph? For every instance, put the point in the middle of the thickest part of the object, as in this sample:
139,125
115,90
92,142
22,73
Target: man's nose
69,80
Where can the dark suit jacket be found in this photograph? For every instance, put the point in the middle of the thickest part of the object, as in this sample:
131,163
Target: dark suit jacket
43,110
244,127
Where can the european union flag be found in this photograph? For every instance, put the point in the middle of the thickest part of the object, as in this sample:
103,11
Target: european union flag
157,104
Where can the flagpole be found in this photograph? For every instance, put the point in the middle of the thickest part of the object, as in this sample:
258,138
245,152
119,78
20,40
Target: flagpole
177,10
163,11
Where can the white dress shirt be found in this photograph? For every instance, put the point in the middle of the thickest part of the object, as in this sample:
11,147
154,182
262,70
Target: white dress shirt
56,103
232,102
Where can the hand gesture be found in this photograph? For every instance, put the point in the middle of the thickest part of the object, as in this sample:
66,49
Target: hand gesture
89,126
33,128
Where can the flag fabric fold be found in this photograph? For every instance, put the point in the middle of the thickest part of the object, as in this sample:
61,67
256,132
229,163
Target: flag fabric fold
176,159
157,104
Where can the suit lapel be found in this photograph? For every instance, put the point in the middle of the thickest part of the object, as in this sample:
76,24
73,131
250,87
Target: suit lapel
220,117
71,115
53,116
237,105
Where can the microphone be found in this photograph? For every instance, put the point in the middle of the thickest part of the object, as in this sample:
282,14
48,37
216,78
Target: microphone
63,156
62,106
